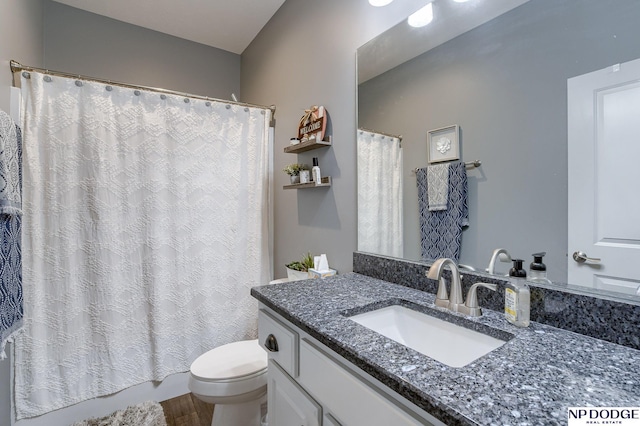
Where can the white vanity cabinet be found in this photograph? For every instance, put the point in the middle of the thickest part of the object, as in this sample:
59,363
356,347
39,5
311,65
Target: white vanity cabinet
311,385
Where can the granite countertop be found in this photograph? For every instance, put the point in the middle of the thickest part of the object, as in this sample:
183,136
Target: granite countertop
530,380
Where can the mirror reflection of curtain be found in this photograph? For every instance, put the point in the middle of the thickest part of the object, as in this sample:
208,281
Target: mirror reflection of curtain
379,194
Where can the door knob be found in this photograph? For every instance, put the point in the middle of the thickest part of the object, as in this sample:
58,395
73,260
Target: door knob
581,257
271,343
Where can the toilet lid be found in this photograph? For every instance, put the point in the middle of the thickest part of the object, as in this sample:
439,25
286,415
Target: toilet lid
230,361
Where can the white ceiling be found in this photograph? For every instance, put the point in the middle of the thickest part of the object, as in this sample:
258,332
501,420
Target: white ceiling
226,24
403,42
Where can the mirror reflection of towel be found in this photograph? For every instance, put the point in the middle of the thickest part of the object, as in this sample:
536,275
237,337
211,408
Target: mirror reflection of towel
438,186
441,230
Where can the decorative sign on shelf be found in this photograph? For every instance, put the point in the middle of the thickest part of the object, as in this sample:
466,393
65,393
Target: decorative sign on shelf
313,124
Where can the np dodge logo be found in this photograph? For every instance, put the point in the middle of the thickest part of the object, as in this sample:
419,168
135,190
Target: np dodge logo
625,416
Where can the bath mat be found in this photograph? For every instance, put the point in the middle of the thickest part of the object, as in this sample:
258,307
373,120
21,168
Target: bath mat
148,413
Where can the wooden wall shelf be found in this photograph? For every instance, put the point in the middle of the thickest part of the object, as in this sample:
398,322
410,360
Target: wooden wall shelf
307,146
326,182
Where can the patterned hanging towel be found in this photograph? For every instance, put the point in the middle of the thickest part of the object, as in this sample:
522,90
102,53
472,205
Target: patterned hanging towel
441,230
11,309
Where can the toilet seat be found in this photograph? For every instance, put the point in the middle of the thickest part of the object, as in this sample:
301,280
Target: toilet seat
232,379
232,361
233,369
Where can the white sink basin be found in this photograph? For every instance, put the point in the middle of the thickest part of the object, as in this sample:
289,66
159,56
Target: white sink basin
443,341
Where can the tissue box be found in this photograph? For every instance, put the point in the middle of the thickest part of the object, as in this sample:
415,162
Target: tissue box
317,274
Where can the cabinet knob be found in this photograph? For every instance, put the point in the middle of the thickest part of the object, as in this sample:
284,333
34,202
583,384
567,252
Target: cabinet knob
271,343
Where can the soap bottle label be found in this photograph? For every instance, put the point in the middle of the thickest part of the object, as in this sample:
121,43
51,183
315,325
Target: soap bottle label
510,304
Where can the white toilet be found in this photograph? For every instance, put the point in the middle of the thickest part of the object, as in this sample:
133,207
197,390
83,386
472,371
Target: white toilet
234,378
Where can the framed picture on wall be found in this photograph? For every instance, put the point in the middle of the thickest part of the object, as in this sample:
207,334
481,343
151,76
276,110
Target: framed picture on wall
443,144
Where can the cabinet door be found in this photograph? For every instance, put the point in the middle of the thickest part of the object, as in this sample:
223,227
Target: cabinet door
328,420
350,399
289,404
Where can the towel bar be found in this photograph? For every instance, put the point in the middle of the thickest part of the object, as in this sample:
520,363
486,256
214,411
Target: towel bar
472,164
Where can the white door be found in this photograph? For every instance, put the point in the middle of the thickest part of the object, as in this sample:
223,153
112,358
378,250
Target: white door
604,178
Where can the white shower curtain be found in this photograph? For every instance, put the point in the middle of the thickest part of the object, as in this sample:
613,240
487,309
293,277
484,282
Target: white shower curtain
379,194
144,230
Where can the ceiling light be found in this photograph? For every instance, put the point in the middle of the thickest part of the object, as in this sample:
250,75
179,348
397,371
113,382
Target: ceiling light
379,3
422,17
460,1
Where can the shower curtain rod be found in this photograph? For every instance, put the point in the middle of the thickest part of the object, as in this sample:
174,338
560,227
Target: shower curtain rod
381,133
17,66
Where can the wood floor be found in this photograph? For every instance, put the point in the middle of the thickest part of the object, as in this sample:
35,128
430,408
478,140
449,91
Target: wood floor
187,410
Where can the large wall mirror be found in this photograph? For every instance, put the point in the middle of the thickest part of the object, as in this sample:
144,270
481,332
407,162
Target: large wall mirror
499,69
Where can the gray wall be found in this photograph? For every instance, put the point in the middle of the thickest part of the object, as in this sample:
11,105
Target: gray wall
504,83
21,40
84,43
306,56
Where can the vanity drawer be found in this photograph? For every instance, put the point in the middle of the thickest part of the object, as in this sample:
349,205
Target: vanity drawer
280,342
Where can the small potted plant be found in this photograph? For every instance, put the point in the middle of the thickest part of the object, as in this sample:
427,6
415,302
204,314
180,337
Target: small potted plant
293,170
298,269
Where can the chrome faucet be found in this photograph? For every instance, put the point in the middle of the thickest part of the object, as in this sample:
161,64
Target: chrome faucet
455,301
501,254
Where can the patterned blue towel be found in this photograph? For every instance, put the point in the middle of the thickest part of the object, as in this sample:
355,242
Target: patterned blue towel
441,230
11,310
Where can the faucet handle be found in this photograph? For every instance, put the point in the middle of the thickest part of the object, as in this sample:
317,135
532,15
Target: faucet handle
471,305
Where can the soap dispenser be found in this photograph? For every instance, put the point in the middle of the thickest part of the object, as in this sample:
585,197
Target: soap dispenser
517,298
516,270
517,303
537,269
